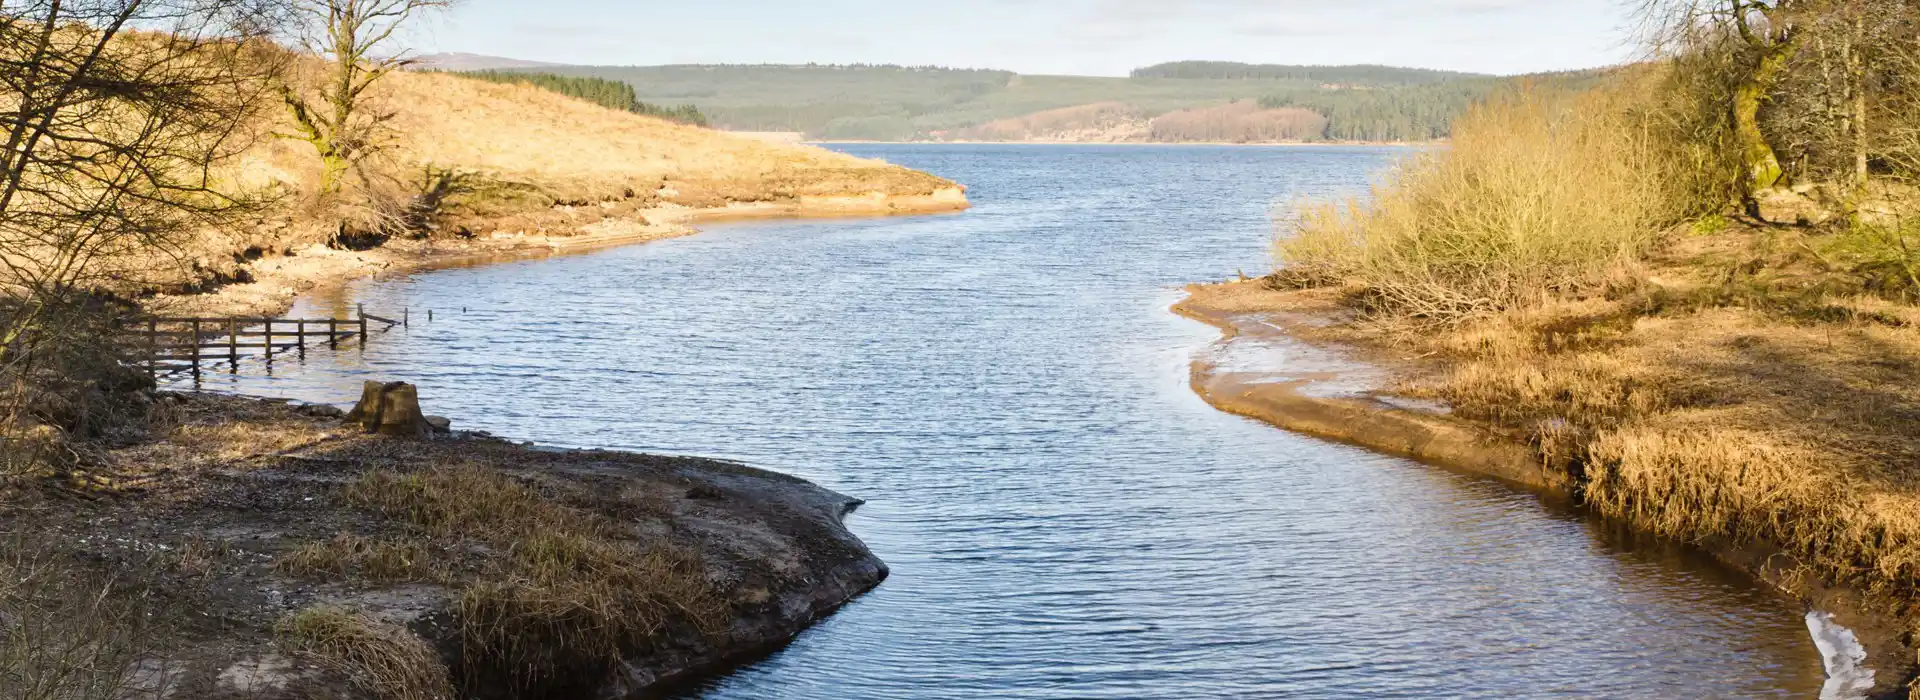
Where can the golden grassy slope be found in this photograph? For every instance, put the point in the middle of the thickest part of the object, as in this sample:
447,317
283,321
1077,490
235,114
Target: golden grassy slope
579,150
537,170
522,131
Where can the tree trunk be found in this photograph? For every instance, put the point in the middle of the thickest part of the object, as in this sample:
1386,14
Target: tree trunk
1760,163
1857,74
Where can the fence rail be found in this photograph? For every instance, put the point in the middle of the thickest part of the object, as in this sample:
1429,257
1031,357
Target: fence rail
176,345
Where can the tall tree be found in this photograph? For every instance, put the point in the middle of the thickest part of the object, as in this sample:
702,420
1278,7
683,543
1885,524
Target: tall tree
334,115
110,140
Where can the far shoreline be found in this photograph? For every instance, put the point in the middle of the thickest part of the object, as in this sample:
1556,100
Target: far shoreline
1225,144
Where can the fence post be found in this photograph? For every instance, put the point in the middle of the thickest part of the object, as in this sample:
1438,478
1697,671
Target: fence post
153,349
269,341
333,334
233,345
300,337
196,352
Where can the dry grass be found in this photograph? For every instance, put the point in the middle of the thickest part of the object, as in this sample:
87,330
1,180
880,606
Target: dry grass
1749,424
565,591
1115,121
374,560
1540,194
384,660
522,160
533,140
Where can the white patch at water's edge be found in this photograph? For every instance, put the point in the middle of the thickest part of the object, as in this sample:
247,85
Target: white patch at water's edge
1841,652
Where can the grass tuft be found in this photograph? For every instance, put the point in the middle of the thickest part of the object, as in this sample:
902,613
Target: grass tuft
565,591
351,557
384,660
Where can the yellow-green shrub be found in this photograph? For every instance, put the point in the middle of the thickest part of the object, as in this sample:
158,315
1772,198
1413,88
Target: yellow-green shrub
1538,194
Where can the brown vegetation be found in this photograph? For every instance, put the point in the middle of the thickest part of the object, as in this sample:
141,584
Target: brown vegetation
1245,121
384,660
1239,122
1099,122
1540,194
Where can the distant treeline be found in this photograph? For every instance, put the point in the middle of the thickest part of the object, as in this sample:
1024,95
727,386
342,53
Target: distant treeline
1415,112
1422,113
1354,75
600,91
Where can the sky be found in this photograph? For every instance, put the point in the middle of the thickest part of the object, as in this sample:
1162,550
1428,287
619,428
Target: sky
1061,37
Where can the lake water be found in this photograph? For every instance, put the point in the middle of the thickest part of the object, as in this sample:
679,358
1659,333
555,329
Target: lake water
1063,517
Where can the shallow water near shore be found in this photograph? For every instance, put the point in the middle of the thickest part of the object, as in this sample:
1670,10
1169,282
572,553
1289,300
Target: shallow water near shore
1063,517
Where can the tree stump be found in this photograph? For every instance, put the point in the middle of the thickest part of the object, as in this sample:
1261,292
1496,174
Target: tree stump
390,409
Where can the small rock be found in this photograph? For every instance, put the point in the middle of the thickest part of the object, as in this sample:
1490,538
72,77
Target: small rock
320,410
1780,205
439,424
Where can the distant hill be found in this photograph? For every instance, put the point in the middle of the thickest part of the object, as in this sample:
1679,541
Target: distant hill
471,61
1367,75
901,103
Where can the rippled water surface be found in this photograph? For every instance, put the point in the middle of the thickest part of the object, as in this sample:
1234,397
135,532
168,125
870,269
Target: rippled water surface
1063,517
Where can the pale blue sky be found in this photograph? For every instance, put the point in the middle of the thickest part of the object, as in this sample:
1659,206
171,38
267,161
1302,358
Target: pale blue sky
1085,37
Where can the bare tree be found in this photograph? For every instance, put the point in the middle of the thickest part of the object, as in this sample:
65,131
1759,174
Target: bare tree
1764,36
113,115
351,35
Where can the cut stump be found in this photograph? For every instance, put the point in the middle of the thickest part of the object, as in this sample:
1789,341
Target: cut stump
390,409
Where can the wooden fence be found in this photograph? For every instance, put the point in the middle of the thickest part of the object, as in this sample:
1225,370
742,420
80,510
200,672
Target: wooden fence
180,345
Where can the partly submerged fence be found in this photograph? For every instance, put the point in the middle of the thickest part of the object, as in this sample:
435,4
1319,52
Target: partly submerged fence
171,346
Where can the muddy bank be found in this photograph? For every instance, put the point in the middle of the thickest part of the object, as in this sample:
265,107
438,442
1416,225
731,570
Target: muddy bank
255,532
269,285
1309,374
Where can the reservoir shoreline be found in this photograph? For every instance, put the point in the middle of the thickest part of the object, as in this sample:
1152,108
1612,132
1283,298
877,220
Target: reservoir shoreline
778,541
1367,415
275,283
940,523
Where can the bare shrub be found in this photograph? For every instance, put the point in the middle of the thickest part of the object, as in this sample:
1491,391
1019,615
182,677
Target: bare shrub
1539,194
113,137
65,635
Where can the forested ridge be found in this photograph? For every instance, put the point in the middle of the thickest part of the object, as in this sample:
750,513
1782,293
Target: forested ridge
901,103
1359,75
906,103
607,93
